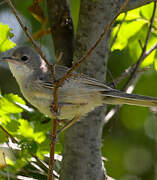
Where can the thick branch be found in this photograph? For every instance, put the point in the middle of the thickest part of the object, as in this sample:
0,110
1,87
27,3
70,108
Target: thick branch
61,29
82,142
137,3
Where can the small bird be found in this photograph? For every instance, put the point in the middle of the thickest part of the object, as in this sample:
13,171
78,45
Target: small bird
78,95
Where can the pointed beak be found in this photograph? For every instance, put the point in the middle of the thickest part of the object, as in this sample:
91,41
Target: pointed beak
11,60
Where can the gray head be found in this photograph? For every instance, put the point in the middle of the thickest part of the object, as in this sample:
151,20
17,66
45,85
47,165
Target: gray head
26,56
23,61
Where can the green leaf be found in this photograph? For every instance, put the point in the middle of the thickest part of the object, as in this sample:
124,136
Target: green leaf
75,9
26,129
5,35
13,126
146,11
131,15
14,98
3,136
127,30
7,106
4,118
155,61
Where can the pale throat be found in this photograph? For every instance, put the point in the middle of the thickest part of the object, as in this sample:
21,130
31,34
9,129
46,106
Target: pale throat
20,72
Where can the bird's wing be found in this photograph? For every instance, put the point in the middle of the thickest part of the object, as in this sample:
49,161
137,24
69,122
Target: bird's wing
85,82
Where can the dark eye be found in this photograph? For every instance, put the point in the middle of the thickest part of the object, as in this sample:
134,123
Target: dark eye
24,58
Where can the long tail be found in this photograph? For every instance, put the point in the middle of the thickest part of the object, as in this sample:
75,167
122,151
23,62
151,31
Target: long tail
118,97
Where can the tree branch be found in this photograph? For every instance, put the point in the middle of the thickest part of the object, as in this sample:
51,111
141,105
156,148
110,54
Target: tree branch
137,3
143,53
61,29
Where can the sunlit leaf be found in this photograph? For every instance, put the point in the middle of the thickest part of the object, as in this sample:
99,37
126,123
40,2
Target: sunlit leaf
127,30
146,11
3,136
131,15
5,35
155,60
7,106
14,98
12,126
25,128
148,60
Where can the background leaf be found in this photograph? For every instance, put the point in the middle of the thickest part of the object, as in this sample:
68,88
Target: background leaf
5,35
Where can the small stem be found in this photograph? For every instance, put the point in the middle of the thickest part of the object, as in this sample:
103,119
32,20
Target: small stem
142,56
25,29
9,135
52,149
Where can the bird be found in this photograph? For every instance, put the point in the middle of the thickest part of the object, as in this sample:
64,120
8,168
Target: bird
78,95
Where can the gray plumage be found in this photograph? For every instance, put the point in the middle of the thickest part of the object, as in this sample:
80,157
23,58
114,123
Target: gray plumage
78,95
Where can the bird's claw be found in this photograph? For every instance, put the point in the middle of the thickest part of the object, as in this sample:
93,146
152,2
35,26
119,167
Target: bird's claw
54,112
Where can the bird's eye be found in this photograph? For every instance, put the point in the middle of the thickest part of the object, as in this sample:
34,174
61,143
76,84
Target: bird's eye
24,58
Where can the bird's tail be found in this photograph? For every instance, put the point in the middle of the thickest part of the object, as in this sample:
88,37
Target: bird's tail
118,97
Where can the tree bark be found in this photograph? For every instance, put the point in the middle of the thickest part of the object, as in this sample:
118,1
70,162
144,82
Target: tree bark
82,141
61,30
137,3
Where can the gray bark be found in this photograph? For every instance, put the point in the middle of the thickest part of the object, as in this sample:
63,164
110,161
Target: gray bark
82,141
61,30
137,3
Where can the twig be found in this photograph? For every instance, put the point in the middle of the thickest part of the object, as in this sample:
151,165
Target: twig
52,149
8,134
15,141
41,163
6,166
131,68
126,73
27,33
57,85
116,35
55,125
70,123
68,74
140,43
116,109
143,54
113,111
134,68
55,89
150,50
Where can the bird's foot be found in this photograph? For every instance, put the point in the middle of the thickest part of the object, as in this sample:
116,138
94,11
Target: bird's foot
52,108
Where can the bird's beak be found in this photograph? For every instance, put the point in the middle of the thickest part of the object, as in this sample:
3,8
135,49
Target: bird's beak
13,60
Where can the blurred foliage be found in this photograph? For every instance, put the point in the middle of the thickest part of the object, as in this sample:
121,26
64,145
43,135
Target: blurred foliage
31,134
129,144
5,35
129,140
133,29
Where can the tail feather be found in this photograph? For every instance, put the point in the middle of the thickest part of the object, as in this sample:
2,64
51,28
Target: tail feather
118,97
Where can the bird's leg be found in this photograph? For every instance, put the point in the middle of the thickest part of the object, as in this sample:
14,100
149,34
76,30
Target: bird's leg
70,123
52,109
60,104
